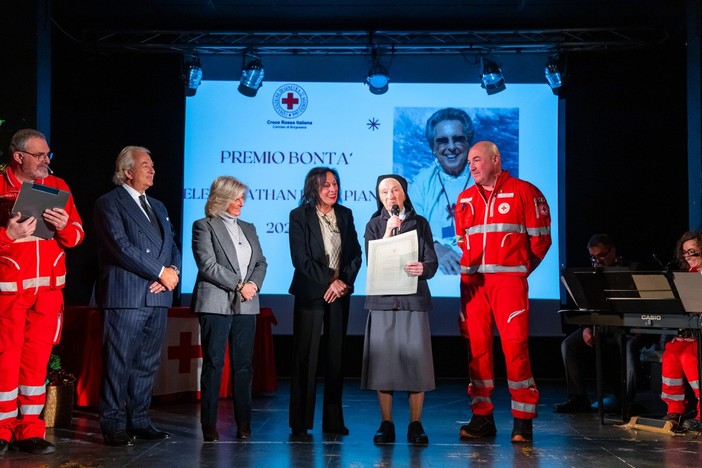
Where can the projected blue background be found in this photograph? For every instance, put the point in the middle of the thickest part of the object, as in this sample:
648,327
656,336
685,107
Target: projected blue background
227,133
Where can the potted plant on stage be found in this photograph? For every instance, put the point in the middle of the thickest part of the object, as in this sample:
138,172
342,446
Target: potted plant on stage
58,409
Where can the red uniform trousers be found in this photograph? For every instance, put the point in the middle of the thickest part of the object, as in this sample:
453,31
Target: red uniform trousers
28,328
679,359
501,300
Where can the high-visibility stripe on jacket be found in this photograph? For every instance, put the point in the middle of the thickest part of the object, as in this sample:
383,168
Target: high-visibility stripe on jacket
509,232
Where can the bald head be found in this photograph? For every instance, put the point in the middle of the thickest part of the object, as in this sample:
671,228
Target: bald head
485,163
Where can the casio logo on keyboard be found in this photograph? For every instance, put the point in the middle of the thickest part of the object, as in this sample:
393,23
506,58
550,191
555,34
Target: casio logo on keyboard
651,317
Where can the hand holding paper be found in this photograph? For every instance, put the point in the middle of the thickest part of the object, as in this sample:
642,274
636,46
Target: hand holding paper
392,265
414,268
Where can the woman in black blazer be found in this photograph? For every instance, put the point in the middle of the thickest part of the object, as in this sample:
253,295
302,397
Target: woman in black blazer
326,256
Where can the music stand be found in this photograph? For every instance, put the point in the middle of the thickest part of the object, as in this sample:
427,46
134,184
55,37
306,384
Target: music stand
617,292
689,288
647,292
586,286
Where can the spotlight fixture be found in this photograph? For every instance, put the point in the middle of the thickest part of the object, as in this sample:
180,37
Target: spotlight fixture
491,76
378,78
251,76
192,76
553,74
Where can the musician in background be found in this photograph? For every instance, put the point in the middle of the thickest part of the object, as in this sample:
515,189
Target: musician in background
680,354
577,348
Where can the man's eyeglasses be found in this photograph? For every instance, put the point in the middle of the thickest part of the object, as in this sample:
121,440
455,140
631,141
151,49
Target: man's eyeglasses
600,259
38,156
690,253
443,142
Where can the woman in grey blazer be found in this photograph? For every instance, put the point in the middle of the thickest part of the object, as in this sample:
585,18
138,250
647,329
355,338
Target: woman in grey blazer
231,269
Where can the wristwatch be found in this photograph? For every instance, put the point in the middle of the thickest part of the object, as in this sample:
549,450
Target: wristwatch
175,268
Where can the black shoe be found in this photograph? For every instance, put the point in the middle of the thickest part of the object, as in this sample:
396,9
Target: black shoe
243,431
149,433
300,435
479,426
3,446
210,434
35,445
343,430
675,418
416,435
574,404
385,433
522,431
692,425
118,439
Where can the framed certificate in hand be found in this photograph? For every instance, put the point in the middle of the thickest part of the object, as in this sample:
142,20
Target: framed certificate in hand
33,199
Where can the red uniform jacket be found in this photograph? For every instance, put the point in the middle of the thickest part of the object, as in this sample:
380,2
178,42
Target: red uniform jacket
510,232
32,263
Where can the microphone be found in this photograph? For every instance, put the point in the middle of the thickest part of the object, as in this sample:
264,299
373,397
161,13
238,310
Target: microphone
49,169
670,264
395,211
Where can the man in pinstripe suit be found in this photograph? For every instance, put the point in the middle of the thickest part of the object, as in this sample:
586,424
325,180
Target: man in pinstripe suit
139,268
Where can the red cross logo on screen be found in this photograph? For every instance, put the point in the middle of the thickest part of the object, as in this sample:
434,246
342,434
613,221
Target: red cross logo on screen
290,101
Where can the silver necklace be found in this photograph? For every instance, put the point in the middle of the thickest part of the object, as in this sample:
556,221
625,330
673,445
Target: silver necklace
331,224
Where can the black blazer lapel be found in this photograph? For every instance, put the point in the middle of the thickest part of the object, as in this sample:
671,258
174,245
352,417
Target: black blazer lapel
313,225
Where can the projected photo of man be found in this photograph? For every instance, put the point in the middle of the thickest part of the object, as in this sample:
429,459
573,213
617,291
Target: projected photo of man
440,176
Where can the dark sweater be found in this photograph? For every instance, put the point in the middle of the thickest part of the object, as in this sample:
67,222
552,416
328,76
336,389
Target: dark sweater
421,300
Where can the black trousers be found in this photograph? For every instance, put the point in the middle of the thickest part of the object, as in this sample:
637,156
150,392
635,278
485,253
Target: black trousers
576,354
215,330
310,319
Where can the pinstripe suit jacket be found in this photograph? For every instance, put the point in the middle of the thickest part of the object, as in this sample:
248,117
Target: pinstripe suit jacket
131,253
218,268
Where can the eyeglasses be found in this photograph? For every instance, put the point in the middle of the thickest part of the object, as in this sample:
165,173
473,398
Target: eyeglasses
458,140
690,253
38,156
600,259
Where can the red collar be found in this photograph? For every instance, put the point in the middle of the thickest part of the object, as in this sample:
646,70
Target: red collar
14,181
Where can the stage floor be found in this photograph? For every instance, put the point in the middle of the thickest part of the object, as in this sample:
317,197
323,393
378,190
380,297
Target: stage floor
559,440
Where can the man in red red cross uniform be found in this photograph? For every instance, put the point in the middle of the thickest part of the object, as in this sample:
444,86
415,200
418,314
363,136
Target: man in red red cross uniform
503,226
32,275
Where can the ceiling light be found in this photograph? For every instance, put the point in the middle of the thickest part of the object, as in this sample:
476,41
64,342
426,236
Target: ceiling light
553,74
378,79
491,76
251,77
193,76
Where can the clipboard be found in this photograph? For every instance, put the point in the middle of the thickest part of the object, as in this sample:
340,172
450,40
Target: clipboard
33,199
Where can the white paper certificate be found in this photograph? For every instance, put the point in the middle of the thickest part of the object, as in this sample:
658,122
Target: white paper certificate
386,265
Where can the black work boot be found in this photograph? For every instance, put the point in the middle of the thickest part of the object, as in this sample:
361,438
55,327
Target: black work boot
479,426
522,431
